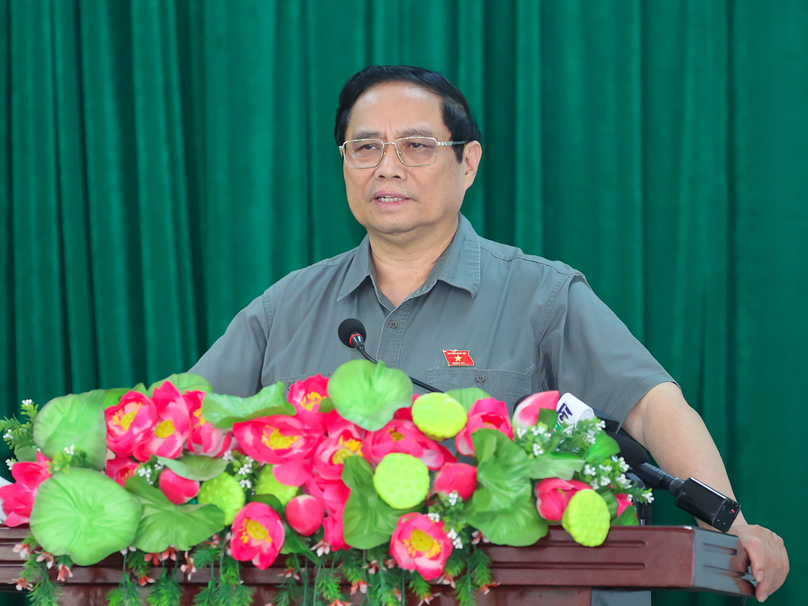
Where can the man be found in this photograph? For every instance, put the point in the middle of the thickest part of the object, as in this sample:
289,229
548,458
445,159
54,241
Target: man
453,309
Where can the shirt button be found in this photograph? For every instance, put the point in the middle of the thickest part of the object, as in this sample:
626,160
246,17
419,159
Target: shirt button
393,324
479,378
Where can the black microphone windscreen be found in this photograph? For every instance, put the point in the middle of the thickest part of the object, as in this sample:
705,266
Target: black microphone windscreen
349,327
632,451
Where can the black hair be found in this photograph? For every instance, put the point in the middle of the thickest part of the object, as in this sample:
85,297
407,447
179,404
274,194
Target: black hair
455,109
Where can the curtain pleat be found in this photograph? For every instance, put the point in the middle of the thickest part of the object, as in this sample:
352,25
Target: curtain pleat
162,162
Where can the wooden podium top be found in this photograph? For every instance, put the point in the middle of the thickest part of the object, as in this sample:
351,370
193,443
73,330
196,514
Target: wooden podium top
645,557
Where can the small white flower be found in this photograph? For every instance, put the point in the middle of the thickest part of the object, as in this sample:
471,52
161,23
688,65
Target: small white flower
10,463
457,543
594,484
605,468
605,481
590,471
452,534
648,496
520,432
591,439
567,429
537,450
245,483
228,456
535,430
601,424
435,517
7,435
27,402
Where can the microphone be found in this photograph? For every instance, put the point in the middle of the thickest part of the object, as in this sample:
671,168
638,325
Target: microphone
693,496
352,333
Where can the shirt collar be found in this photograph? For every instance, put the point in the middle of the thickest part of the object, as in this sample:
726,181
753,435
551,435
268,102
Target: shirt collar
458,266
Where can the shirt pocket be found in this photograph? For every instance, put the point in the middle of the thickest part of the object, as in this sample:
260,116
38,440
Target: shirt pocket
505,385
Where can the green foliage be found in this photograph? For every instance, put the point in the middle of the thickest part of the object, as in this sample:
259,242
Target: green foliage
73,422
186,381
419,586
195,467
326,585
125,594
222,411
20,436
166,591
467,396
480,568
208,596
85,515
163,523
367,520
369,394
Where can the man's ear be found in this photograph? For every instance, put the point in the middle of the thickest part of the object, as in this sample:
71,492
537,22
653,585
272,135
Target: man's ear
472,153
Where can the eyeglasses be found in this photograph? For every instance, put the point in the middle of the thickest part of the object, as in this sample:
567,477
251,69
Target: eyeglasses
412,151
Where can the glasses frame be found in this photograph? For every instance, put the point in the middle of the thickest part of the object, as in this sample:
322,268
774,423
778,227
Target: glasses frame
398,151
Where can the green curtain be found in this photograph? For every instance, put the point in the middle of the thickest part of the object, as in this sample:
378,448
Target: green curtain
163,161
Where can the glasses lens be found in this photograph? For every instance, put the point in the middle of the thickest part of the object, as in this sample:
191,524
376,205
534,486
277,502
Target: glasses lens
363,153
417,151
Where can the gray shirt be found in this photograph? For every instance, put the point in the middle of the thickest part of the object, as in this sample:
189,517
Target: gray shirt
528,325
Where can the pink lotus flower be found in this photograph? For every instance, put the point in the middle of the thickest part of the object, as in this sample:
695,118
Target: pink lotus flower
458,477
623,501
401,436
330,455
420,544
172,428
487,413
18,498
333,495
258,535
121,469
554,494
177,489
130,422
204,438
278,439
307,394
526,414
305,514
333,533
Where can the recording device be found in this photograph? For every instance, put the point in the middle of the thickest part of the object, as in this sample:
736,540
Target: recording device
352,333
693,496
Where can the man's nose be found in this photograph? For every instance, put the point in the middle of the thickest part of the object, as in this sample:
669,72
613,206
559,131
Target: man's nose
391,165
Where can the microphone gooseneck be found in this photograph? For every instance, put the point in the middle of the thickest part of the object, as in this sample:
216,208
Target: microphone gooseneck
352,333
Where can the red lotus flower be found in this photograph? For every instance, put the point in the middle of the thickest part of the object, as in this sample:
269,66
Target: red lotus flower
330,455
204,439
526,414
18,498
177,489
458,477
333,495
172,427
402,436
121,469
487,413
307,395
130,422
305,514
333,533
420,544
554,494
278,439
257,535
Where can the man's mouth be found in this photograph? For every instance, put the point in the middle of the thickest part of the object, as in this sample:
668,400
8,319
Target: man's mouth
390,198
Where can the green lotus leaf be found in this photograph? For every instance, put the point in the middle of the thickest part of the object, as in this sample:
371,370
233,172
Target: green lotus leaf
467,396
603,448
548,417
222,410
164,524
112,397
518,526
74,420
502,472
186,381
367,520
84,514
627,518
369,394
555,465
195,467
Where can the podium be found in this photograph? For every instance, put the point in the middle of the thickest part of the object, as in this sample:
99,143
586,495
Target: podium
555,571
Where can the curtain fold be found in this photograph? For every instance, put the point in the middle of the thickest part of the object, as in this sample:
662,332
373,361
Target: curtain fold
162,162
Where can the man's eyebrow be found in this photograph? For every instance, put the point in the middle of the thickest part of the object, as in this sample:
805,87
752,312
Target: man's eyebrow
408,132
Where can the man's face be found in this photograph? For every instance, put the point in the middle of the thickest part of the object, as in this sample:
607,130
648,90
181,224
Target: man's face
397,202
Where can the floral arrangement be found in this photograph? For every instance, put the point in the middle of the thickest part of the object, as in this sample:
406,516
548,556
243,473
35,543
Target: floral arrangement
347,476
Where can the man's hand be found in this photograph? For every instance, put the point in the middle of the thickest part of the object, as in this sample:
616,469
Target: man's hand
679,441
767,555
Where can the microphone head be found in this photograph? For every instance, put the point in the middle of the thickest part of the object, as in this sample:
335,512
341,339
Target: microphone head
350,327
